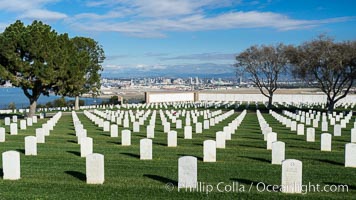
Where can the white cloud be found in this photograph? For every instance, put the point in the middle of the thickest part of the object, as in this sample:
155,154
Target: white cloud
42,14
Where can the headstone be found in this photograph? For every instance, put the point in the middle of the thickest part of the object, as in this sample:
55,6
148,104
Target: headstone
23,124
310,134
30,146
324,126
7,121
300,129
95,168
114,131
187,132
198,127
106,127
2,134
166,127
86,146
29,121
150,131
220,140
291,176
325,142
136,127
209,151
353,135
125,137
227,131
187,172
146,149
178,124
172,139
14,118
337,130
11,165
271,137
206,124
350,152
278,152
13,129
293,126
40,136
34,119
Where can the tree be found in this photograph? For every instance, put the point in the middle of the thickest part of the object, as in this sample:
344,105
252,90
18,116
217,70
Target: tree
330,65
31,57
264,64
83,75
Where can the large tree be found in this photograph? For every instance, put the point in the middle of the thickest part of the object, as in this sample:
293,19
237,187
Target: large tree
32,58
264,64
329,65
86,63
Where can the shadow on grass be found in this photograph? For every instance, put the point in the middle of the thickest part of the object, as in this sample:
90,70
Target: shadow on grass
330,162
198,158
74,153
250,146
21,151
73,134
78,175
1,172
258,159
111,142
72,141
161,179
131,155
198,144
160,144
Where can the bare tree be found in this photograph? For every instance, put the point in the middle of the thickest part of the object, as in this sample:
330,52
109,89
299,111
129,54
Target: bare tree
264,64
330,65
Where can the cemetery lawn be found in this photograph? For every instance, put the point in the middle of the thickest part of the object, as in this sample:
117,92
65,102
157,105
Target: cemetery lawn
58,171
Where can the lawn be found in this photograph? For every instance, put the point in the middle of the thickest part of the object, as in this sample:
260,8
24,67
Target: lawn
58,171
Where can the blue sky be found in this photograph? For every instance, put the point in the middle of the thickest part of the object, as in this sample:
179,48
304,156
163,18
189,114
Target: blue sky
184,37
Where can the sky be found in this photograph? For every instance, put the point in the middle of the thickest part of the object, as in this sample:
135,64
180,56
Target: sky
181,38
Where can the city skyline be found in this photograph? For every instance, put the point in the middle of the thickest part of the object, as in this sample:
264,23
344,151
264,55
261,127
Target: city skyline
187,37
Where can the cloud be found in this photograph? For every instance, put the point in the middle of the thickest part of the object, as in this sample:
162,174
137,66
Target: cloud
43,14
203,57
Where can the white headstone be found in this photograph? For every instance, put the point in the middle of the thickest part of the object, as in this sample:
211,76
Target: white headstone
86,146
300,129
2,134
278,152
13,129
324,126
7,121
187,172
291,176
34,119
11,165
40,136
23,124
198,127
206,124
293,126
337,130
353,135
178,124
125,137
209,151
166,127
271,137
187,132
14,118
114,131
220,140
106,127
310,134
172,139
146,149
29,121
30,146
350,155
95,168
136,127
325,142
150,131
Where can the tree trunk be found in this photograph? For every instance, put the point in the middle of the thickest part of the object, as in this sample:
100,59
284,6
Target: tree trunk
33,106
76,106
331,105
270,101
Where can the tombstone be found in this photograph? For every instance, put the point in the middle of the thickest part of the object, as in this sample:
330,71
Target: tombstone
11,165
136,127
126,123
325,142
353,135
146,149
14,118
2,134
220,140
315,123
337,130
198,127
206,124
227,131
166,127
106,126
81,134
34,119
86,146
324,126
95,168
23,124
125,137
178,124
271,137
310,134
40,136
291,176
350,152
188,132
13,129
7,121
209,151
114,131
187,172
278,152
172,139
29,121
300,129
265,131
150,131
30,146
293,126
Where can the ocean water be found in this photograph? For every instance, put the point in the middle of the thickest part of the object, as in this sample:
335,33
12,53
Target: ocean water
16,95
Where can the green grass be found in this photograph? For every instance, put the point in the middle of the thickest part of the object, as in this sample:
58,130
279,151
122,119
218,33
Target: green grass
58,172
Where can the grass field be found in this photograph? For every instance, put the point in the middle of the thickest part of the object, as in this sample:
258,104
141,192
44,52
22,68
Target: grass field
58,172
